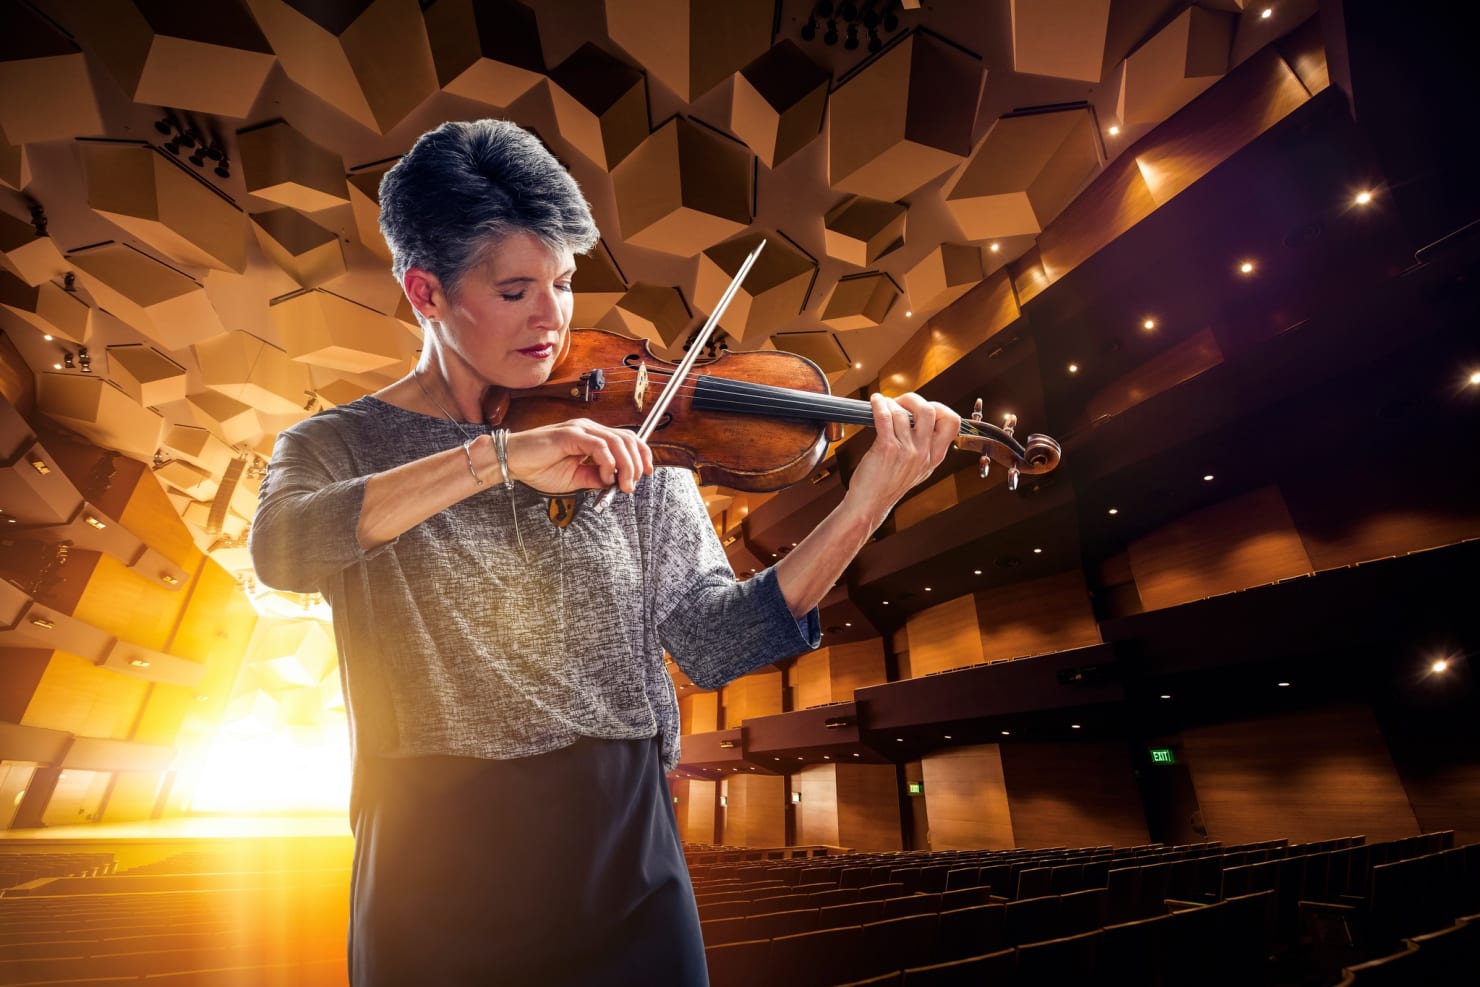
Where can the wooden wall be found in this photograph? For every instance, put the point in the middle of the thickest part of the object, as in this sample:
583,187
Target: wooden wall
1305,776
756,694
1036,617
1248,540
755,814
868,807
943,637
698,711
1073,794
831,675
697,801
817,814
966,798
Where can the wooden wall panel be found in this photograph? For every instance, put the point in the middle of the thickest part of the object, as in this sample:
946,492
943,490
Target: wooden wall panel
1178,363
966,799
1246,541
1073,794
76,696
698,711
943,637
817,814
756,694
957,330
868,807
1036,617
928,502
856,665
756,811
697,800
77,798
154,521
164,713
21,670
132,797
811,678
1446,796
128,606
1303,776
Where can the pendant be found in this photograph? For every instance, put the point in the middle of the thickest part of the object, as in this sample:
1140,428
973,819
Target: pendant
562,510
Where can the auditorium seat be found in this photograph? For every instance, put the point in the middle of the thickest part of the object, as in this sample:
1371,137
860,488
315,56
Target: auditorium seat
1031,919
915,904
1451,956
739,964
855,913
971,931
1401,969
771,925
817,959
1066,960
974,971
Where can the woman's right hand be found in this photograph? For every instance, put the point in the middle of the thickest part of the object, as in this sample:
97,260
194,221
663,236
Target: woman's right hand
578,454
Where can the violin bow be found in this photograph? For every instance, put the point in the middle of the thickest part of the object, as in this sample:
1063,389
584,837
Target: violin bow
660,406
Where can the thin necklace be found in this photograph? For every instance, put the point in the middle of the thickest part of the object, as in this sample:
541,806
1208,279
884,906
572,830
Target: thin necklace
456,424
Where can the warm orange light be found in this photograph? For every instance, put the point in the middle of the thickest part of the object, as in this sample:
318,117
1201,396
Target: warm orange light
1440,666
1149,324
995,247
1475,378
1363,198
1074,368
1113,511
1114,131
1266,13
908,314
1247,267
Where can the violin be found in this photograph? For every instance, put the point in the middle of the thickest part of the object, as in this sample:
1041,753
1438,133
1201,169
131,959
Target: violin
754,421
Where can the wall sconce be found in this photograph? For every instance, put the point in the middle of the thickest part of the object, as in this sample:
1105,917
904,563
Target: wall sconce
84,360
39,465
94,522
138,663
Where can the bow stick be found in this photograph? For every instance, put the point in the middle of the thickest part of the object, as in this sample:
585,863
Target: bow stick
650,424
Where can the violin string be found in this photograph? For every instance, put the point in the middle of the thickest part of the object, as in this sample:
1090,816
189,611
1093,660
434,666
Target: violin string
746,397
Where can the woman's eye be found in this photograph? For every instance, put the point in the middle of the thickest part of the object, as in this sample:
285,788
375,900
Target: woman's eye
512,297
562,286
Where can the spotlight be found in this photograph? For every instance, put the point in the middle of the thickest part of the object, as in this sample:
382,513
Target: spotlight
874,43
164,126
67,360
223,170
852,43
199,157
84,360
1440,666
831,37
173,146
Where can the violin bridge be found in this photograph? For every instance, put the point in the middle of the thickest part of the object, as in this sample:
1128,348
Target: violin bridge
640,389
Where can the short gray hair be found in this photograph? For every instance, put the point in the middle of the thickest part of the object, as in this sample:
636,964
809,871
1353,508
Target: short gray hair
466,184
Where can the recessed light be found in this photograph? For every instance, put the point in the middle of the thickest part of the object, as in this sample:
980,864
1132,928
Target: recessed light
1363,197
94,522
886,603
948,736
1165,696
1114,131
1007,733
1074,368
1283,685
1247,267
899,740
908,314
1266,13
138,663
1441,665
48,337
1113,511
855,755
858,365
976,572
1037,551
1149,324
847,623
1074,726
927,589
1475,377
1208,477
996,247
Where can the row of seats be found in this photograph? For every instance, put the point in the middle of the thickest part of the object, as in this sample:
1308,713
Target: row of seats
1448,957
19,866
1223,943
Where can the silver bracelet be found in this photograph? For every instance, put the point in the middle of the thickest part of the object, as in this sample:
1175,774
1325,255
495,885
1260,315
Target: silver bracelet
501,449
468,452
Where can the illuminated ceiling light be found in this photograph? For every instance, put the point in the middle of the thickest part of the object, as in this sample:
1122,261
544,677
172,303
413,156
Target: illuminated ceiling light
927,589
1149,324
1113,511
202,698
42,623
1165,696
1475,377
1007,733
1364,197
1266,13
1208,477
1074,726
170,580
995,248
1114,130
138,663
976,572
48,337
858,365
908,313
1247,267
40,466
1441,666
1074,368
1283,685
847,623
855,755
827,757
95,522
1037,551
56,366
899,740
948,736
886,603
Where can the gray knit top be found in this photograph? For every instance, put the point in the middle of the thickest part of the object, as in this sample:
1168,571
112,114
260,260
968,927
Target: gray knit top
453,640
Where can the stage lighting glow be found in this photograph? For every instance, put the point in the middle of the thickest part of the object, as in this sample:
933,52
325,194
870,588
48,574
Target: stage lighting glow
253,767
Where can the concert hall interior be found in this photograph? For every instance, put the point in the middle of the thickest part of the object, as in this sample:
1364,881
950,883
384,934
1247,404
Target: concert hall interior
1204,691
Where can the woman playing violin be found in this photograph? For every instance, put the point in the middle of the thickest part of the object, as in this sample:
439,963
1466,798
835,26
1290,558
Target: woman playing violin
510,713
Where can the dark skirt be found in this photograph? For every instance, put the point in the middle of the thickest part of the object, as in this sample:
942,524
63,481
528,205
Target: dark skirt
558,870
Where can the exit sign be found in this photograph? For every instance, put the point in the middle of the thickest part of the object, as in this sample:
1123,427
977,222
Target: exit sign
1163,755
916,788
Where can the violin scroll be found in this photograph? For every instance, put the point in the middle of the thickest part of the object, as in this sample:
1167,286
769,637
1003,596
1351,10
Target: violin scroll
996,444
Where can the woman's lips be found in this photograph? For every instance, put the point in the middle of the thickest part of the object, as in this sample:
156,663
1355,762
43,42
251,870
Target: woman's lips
539,352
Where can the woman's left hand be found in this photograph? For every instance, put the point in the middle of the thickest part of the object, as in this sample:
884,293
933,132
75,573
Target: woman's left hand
911,437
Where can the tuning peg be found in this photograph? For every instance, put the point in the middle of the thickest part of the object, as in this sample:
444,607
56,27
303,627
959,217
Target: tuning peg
1009,423
986,464
976,411
1012,477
